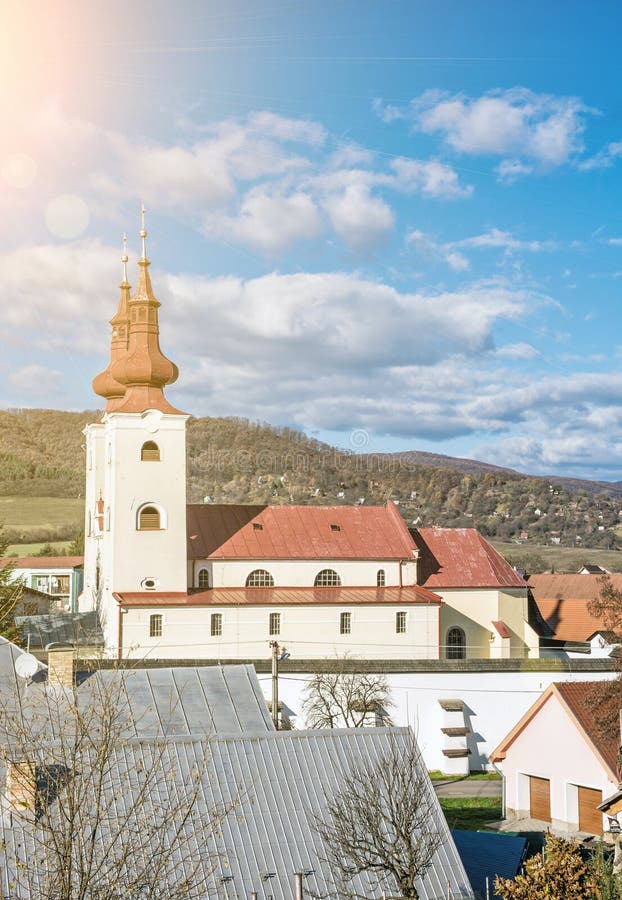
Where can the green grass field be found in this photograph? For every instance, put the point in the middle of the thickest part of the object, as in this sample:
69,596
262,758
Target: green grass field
470,813
37,520
59,548
563,559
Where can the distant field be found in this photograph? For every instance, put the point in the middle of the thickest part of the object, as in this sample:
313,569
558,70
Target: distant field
563,559
59,548
39,519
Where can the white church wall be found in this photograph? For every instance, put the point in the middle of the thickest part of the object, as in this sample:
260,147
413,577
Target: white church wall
300,572
310,632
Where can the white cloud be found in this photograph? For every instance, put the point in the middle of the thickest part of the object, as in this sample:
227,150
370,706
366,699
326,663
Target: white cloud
36,380
604,158
515,123
360,219
510,170
451,253
430,177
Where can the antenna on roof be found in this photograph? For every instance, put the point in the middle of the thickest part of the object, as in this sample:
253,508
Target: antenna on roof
26,665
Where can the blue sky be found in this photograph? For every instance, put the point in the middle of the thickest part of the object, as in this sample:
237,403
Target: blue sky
394,225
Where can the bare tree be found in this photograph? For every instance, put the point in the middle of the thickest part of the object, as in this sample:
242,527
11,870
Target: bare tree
11,590
97,810
345,698
384,821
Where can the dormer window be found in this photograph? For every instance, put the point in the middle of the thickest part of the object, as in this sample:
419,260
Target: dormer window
150,452
257,526
335,527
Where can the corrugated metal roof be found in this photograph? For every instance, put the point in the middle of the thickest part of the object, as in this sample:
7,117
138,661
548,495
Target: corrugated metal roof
297,532
283,597
562,602
80,629
190,701
278,783
461,557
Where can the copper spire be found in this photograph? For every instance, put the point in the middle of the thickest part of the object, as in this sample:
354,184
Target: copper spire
143,369
105,384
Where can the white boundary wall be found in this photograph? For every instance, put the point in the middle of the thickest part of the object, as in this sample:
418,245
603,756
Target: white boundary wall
493,704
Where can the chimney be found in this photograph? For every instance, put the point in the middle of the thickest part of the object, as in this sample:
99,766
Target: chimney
21,787
60,665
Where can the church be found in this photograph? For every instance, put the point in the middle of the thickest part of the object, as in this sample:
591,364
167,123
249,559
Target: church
208,581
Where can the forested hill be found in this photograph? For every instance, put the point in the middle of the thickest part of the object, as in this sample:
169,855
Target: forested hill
236,461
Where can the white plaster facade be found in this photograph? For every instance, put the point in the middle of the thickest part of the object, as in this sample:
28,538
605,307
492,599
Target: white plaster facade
474,610
302,572
493,702
308,631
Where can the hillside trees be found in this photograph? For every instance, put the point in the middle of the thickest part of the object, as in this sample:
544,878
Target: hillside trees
10,595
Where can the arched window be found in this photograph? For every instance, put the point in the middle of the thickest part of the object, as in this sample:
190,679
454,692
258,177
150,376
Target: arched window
155,625
150,452
260,578
203,578
149,519
380,578
456,644
327,578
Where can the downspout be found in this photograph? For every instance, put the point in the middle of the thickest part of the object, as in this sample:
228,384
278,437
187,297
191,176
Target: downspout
120,638
500,772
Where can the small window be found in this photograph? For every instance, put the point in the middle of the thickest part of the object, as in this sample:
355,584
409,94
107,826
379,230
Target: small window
203,578
456,644
335,527
380,578
216,624
149,584
149,519
257,526
327,578
155,625
345,623
150,452
400,622
260,578
274,624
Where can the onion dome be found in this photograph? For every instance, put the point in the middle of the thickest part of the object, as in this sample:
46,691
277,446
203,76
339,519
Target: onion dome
105,384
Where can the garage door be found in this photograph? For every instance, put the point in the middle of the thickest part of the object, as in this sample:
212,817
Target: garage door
590,819
540,798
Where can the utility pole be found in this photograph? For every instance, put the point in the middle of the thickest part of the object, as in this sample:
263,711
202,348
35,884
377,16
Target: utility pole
277,655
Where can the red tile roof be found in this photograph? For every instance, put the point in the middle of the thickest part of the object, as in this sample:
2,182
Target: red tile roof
562,602
502,629
297,532
575,696
284,597
42,562
461,557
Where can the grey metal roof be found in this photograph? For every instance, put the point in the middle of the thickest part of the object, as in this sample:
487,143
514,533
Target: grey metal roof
11,685
197,702
79,629
276,783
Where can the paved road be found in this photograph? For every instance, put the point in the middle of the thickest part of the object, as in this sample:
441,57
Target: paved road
466,787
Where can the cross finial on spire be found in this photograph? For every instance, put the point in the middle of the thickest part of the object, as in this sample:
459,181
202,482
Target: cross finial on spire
143,233
124,258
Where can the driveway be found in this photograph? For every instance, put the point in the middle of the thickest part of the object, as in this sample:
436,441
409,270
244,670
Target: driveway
467,787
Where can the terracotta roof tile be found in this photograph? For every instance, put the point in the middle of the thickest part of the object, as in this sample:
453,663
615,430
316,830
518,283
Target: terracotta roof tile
283,597
576,695
42,562
562,602
297,532
502,629
461,557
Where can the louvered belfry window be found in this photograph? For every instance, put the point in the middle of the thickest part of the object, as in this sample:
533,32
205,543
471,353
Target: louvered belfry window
150,452
149,519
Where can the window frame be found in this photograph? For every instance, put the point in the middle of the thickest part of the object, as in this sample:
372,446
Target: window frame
263,576
151,504
401,621
156,625
455,649
215,624
381,578
274,624
203,571
345,622
150,447
322,578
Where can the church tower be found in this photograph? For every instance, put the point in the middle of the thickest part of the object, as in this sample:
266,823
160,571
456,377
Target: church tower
135,528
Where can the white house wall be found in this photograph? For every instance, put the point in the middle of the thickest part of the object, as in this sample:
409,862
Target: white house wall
552,747
309,632
476,609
